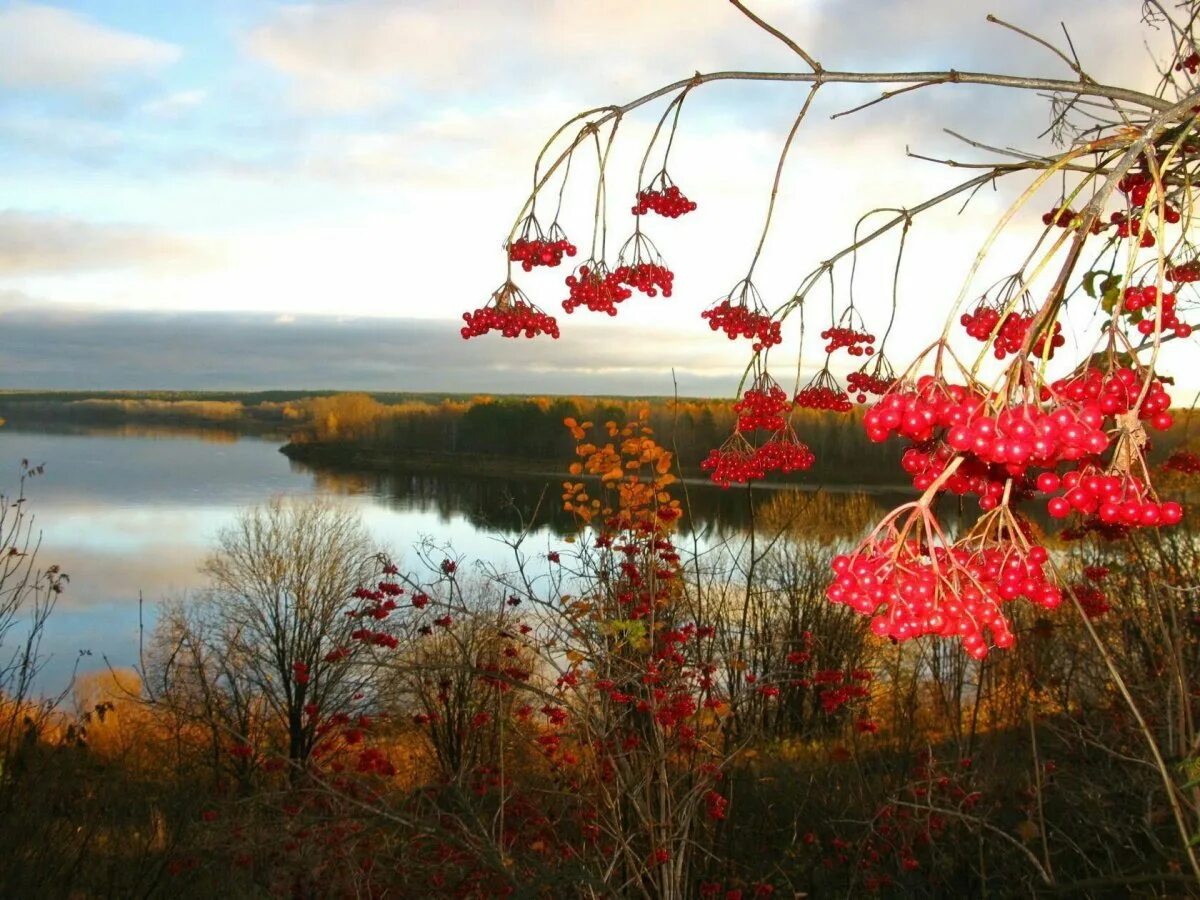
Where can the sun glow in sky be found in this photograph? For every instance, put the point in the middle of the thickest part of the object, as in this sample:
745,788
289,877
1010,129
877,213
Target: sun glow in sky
231,194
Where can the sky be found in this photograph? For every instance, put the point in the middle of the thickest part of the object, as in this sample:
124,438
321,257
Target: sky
262,194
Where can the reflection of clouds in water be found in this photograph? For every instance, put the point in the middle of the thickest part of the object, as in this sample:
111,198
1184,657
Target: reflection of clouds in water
100,577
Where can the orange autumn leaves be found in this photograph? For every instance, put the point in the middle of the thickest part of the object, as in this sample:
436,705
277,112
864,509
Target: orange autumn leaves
634,472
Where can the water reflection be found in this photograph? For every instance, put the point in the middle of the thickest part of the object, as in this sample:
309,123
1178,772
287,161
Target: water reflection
507,504
134,511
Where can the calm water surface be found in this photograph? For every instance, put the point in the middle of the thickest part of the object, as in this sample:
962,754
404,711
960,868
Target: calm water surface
131,512
136,511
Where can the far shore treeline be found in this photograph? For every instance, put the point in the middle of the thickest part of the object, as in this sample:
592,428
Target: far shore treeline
506,433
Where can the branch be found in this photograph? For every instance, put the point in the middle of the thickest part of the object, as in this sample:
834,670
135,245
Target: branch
822,77
775,32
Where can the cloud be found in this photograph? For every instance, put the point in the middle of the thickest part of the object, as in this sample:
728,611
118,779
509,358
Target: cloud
45,46
357,55
175,104
56,348
36,243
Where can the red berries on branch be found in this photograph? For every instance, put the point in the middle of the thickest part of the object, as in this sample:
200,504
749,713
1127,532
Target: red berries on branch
914,582
533,248
1185,272
878,380
1011,333
593,286
742,314
824,393
509,312
640,266
1141,304
1114,499
764,406
851,333
737,461
662,196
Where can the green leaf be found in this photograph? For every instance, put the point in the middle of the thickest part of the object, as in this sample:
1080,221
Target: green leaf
1089,282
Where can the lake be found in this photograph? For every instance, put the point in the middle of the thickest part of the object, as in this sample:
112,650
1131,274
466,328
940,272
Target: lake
135,511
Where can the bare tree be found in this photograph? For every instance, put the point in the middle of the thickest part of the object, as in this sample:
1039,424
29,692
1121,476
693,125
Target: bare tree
278,617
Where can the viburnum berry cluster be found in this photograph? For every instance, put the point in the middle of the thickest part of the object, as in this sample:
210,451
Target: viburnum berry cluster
1008,334
510,313
1119,499
640,267
1138,187
913,581
764,405
533,248
1142,304
850,333
878,380
663,196
737,461
824,393
742,315
595,288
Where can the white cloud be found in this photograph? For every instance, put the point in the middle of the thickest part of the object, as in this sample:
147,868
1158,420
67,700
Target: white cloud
45,46
175,104
362,54
35,243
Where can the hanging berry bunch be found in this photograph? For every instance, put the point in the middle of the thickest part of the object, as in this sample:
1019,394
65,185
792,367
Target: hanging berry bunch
510,313
594,287
640,267
763,408
1003,318
913,581
850,333
874,377
663,196
743,315
533,248
1146,309
824,393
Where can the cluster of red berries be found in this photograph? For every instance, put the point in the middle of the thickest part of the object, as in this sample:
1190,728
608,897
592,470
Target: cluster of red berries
1138,299
739,320
1065,217
1117,499
1184,273
856,341
763,406
1026,435
912,590
647,277
1191,62
1137,187
514,320
927,462
1117,393
862,383
533,248
1127,226
666,200
1010,333
594,287
1062,216
510,313
738,462
823,393
1184,462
